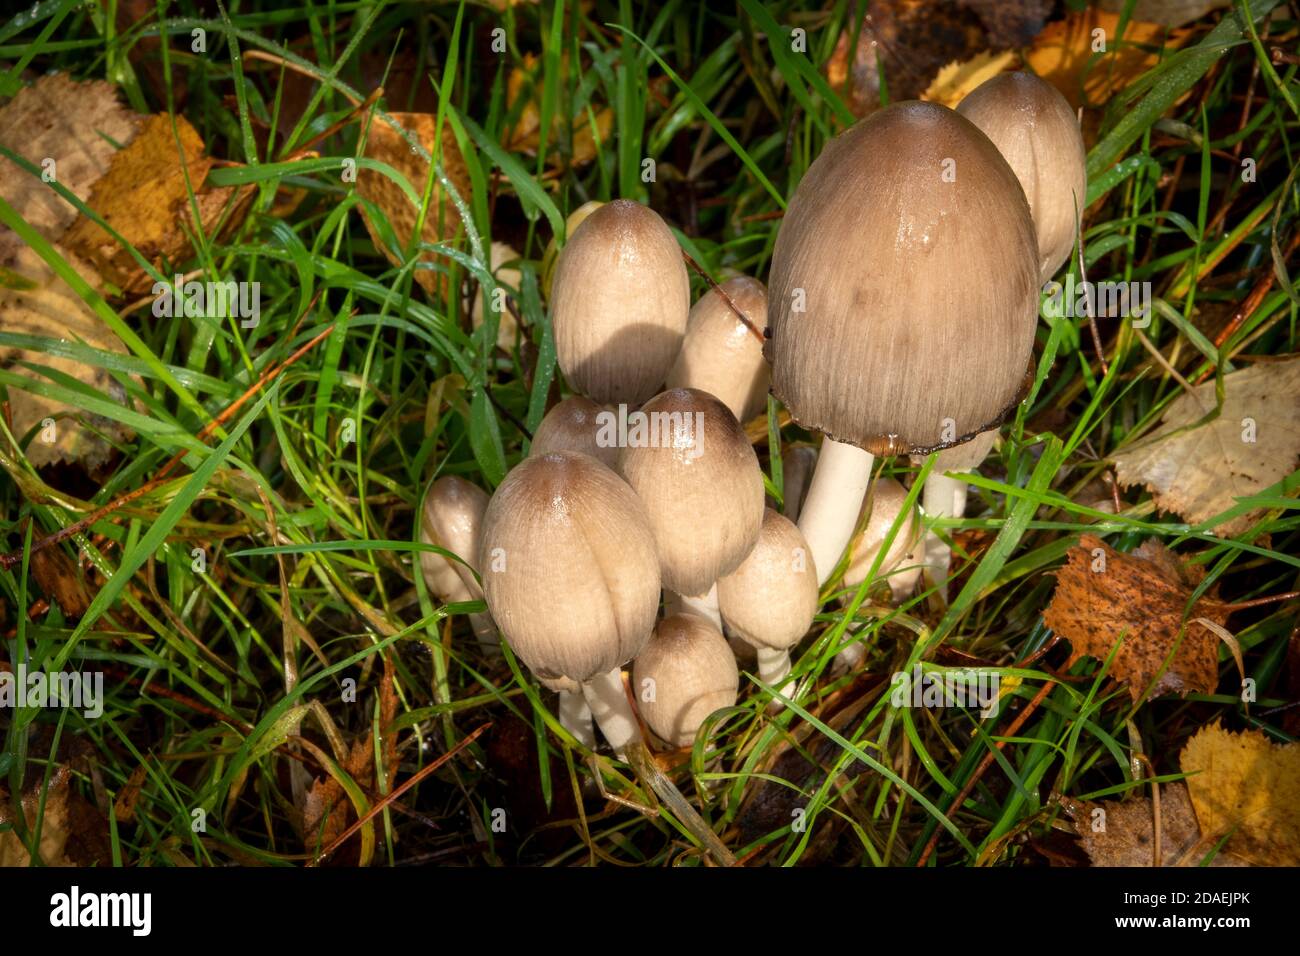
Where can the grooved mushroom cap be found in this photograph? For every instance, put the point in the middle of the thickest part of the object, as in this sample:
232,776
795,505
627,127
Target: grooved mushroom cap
453,520
569,567
885,498
571,426
771,599
721,354
699,478
619,303
1037,133
693,673
964,457
910,249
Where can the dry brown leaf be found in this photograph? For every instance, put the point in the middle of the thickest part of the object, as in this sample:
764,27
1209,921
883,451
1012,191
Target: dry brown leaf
524,135
1248,785
384,144
145,196
1122,834
1102,594
1062,52
72,831
1199,472
956,80
1169,13
61,580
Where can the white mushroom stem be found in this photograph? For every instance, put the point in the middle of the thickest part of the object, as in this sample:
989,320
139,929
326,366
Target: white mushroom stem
939,499
774,668
830,512
575,717
611,708
485,629
705,605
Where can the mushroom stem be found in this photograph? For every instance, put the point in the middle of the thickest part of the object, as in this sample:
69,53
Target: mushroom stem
939,499
485,630
830,512
575,717
704,605
773,667
612,710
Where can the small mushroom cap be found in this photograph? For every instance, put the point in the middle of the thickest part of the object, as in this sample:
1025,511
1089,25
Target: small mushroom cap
699,478
509,277
453,520
1034,128
771,599
572,425
569,567
682,675
797,465
885,498
723,355
893,314
619,304
964,457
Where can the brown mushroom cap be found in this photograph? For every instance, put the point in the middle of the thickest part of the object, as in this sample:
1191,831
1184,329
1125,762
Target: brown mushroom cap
771,599
453,520
619,303
701,484
510,278
910,247
722,355
572,426
569,567
1033,127
886,499
693,673
964,457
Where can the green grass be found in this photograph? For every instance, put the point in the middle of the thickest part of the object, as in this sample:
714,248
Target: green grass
225,686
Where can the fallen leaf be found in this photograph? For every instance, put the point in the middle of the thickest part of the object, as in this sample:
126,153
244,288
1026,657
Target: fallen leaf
956,80
58,576
1061,54
525,135
1169,13
1247,785
72,830
1122,834
1102,594
384,144
1011,23
1199,472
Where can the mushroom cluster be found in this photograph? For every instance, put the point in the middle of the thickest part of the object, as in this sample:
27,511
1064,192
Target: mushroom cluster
637,531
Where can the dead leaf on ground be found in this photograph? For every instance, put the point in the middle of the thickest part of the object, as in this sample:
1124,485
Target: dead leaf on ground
1061,54
1254,442
1122,834
957,80
525,135
1169,13
386,145
60,579
1248,785
73,833
1102,594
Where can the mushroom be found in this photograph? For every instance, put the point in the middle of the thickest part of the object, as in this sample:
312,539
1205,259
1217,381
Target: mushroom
797,465
1033,127
575,715
453,520
619,304
549,257
684,673
571,575
687,458
507,327
770,600
945,497
572,425
723,353
896,325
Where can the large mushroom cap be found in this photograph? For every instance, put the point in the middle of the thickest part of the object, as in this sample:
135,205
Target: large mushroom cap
1033,127
685,673
569,567
723,353
904,295
771,599
699,478
619,303
573,425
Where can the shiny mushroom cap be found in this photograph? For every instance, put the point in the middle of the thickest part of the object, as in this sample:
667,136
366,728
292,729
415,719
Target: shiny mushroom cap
569,567
619,304
722,353
453,520
573,425
771,599
1033,127
690,462
684,673
894,314
885,500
